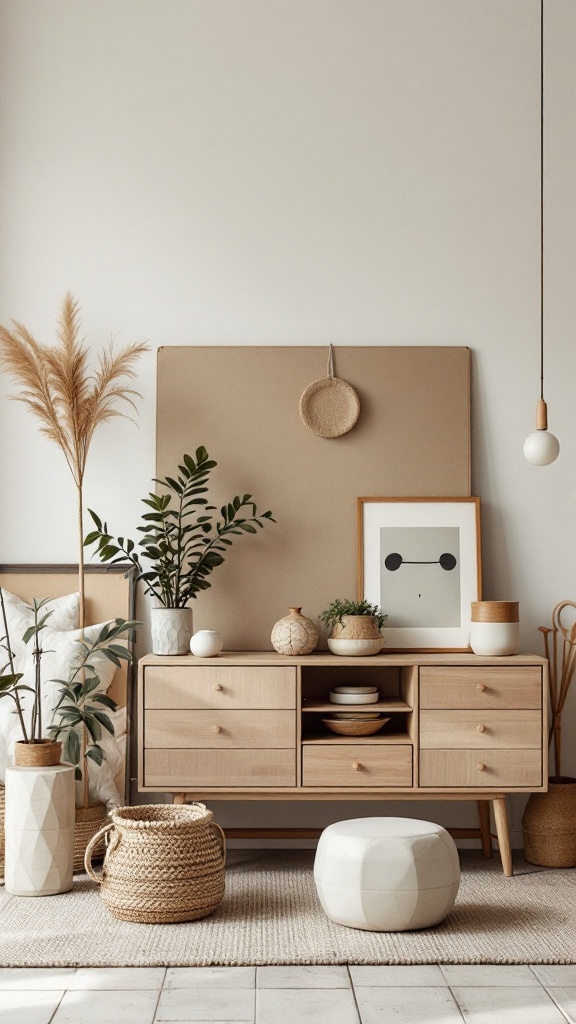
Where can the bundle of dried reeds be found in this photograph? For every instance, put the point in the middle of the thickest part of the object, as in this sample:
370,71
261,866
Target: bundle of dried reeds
69,398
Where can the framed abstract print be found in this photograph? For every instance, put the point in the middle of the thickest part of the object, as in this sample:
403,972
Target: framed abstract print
419,560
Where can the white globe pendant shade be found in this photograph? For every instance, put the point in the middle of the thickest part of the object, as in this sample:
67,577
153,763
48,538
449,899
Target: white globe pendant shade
541,448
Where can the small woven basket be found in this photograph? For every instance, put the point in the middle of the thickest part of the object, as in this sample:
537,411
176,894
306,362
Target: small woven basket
41,754
89,821
163,863
2,813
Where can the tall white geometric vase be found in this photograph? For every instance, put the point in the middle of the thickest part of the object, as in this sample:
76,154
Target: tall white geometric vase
39,830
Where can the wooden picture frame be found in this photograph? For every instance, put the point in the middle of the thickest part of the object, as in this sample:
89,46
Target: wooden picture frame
419,559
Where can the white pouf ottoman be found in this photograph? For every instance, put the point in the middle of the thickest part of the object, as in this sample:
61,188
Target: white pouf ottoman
386,874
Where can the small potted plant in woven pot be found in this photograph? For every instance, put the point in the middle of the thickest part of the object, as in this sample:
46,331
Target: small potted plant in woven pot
549,821
355,626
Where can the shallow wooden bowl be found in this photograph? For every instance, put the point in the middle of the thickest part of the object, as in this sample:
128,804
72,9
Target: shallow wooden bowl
354,728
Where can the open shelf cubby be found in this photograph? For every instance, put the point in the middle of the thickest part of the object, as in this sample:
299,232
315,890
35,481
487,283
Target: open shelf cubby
397,688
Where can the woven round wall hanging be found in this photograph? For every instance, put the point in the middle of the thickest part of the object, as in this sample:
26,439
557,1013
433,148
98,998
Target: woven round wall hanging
329,407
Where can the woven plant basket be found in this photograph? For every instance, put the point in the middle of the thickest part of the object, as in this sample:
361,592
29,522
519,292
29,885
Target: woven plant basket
2,812
89,821
42,754
163,863
549,825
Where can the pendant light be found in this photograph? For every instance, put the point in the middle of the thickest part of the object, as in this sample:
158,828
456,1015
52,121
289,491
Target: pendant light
541,447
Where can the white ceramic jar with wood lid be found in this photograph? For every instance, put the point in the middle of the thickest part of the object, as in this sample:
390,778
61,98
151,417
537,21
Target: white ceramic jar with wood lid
495,628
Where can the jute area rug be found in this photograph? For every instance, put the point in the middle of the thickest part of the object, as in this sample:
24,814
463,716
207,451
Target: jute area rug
271,915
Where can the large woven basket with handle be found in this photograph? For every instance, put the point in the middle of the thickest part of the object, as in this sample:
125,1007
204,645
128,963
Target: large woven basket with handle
163,863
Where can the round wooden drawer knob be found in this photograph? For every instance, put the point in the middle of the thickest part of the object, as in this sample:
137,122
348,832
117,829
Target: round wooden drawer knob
480,767
217,686
480,728
216,728
356,766
481,687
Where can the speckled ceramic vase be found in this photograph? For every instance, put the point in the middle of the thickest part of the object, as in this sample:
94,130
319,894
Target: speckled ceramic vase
294,634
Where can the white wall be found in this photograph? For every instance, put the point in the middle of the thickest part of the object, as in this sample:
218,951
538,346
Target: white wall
295,172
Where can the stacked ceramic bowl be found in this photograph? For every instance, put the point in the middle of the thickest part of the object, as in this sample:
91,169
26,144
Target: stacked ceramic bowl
355,695
355,723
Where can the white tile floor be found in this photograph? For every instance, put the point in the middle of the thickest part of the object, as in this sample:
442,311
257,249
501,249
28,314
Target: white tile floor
289,995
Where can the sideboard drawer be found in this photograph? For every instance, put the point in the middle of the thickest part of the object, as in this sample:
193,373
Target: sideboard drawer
219,729
480,769
332,764
516,687
228,769
481,729
205,686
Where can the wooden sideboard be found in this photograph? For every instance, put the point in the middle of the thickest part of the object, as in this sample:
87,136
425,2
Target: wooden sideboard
248,726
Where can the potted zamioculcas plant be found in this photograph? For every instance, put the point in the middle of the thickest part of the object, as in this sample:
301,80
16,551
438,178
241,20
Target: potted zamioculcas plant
355,627
183,542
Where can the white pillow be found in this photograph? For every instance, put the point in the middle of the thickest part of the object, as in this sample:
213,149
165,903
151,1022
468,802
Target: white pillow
62,654
20,616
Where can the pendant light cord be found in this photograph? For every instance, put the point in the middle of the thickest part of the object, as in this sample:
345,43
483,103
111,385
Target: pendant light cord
541,199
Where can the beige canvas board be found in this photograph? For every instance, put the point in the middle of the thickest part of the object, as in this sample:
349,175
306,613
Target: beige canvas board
412,439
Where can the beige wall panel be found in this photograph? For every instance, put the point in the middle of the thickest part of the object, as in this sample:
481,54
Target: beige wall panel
412,439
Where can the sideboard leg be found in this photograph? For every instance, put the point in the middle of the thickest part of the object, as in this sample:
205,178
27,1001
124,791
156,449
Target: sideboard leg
484,814
179,798
501,819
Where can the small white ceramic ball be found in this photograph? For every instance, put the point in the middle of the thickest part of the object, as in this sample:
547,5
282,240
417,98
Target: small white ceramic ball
206,643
